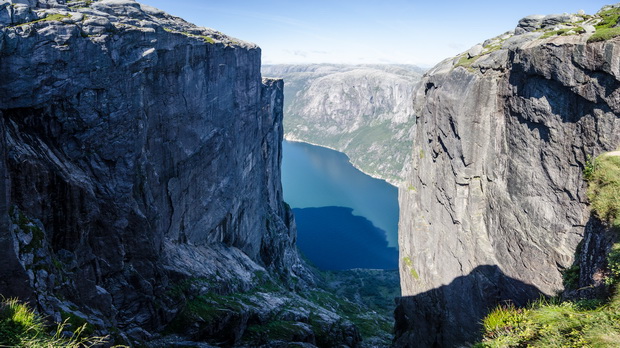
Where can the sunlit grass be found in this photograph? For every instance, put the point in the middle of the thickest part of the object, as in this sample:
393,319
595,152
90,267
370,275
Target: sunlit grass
20,326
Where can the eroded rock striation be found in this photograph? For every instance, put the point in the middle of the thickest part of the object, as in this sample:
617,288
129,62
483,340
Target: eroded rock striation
140,171
364,111
494,206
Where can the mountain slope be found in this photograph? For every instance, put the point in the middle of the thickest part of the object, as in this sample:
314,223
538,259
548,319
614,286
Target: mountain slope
364,111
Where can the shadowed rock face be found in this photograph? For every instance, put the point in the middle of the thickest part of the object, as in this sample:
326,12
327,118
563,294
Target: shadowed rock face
134,147
433,326
496,179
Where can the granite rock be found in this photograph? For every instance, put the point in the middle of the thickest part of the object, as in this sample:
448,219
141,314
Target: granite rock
137,151
495,206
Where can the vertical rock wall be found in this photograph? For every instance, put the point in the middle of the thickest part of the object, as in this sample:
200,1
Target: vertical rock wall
495,204
135,147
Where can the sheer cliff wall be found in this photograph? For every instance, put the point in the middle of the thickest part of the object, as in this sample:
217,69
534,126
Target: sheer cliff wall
494,206
136,149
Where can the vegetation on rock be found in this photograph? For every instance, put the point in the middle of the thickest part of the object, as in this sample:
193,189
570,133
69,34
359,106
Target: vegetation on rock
582,323
607,28
20,326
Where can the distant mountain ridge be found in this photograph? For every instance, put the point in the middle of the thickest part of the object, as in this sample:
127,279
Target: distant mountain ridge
364,111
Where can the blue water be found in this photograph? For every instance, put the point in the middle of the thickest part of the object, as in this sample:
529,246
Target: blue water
317,177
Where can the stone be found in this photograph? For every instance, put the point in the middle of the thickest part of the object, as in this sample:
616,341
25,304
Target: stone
530,23
148,152
475,51
500,206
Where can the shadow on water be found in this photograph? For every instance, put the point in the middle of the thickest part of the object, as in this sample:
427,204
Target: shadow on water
451,315
335,239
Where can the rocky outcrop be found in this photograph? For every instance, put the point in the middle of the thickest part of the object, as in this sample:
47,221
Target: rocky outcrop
361,110
139,170
495,206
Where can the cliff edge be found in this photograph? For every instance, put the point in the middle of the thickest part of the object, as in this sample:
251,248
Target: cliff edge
495,206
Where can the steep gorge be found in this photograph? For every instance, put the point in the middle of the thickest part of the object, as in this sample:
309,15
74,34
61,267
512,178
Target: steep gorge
363,111
494,206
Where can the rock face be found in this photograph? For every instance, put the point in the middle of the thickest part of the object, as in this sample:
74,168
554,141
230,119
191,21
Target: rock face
138,152
495,205
364,111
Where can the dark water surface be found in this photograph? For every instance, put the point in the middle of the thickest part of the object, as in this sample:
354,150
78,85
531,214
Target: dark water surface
354,220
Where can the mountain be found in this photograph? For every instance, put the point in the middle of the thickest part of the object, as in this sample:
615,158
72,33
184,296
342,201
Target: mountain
364,111
495,206
141,193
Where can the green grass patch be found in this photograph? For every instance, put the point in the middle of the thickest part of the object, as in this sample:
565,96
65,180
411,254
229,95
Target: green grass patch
606,29
588,323
604,34
564,32
465,61
603,176
20,326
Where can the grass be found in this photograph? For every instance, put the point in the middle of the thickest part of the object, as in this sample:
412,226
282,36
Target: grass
603,176
549,323
564,32
20,326
606,29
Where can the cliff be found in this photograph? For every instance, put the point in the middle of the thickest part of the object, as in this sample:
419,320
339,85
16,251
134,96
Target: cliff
140,167
495,204
362,110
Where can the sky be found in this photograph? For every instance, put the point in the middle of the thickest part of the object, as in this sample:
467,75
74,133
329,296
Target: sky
420,32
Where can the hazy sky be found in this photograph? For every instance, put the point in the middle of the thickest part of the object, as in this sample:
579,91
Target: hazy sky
421,32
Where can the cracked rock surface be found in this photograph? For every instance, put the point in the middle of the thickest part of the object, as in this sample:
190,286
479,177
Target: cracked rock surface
139,152
495,205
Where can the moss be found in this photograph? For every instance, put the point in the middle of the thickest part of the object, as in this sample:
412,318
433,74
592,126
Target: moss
207,39
28,226
465,61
